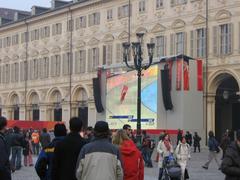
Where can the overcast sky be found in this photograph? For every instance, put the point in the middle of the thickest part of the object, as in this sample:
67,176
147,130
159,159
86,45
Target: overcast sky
24,4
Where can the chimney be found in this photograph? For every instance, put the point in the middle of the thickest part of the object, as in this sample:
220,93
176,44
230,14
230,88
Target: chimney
21,15
38,10
59,3
4,21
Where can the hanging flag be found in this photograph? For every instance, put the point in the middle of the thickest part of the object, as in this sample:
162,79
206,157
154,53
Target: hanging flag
168,65
199,75
123,93
186,75
179,74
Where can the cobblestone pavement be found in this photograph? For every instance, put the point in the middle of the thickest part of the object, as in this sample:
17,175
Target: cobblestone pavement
195,170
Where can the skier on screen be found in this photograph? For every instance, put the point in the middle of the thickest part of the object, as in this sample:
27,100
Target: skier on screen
123,93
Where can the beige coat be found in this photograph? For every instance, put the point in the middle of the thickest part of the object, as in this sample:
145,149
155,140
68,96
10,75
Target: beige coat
163,152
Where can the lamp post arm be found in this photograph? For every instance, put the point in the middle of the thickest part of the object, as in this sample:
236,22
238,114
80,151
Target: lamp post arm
149,64
126,62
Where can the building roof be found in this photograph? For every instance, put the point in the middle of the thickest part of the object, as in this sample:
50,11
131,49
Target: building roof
9,13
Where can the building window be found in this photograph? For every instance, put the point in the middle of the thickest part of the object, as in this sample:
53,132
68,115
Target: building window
6,74
159,4
80,61
123,11
35,35
107,54
93,59
223,39
0,43
15,39
24,37
23,71
70,25
15,72
180,43
67,63
94,19
34,69
201,42
57,29
7,42
109,14
198,43
44,67
178,2
160,46
55,65
142,6
45,32
81,22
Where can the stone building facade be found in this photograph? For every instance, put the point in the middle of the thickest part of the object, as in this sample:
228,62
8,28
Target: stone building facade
48,58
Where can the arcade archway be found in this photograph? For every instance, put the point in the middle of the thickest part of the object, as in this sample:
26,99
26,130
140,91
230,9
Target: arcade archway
227,106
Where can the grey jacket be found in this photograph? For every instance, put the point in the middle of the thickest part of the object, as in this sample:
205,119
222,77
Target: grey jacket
99,160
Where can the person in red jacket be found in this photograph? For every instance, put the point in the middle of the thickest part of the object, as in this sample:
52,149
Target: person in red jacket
133,166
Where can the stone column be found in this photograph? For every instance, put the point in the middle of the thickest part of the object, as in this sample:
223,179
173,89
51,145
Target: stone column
43,112
66,112
211,113
22,113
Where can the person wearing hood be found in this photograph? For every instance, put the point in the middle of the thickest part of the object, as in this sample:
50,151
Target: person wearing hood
43,165
133,165
99,159
231,161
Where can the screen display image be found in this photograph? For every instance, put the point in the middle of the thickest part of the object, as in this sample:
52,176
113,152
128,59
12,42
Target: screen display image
121,99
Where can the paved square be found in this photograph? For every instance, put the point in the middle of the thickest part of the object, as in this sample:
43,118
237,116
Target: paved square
195,170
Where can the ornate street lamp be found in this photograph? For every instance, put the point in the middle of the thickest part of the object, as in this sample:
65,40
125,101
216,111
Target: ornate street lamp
139,66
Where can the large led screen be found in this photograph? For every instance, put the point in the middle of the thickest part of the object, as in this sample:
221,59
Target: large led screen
121,99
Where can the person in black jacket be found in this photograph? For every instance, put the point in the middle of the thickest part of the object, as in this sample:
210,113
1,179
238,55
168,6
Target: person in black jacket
231,161
66,152
5,171
45,159
196,142
17,144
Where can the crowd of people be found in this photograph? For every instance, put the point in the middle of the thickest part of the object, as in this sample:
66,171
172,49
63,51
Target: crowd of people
79,155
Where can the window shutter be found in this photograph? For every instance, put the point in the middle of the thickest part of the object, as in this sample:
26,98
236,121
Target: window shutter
16,72
119,12
64,64
54,29
57,64
104,55
98,18
77,62
47,67
84,21
231,35
118,52
185,43
165,46
215,40
153,40
12,73
83,64
89,60
97,58
78,23
192,44
172,44
109,62
52,64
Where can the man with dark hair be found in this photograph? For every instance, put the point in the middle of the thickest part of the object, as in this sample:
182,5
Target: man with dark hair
99,159
44,138
44,163
231,161
5,171
128,129
66,152
16,145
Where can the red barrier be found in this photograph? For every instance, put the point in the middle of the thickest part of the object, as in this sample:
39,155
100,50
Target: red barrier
32,124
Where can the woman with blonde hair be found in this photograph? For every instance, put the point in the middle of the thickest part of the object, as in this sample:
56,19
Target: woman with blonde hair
132,160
